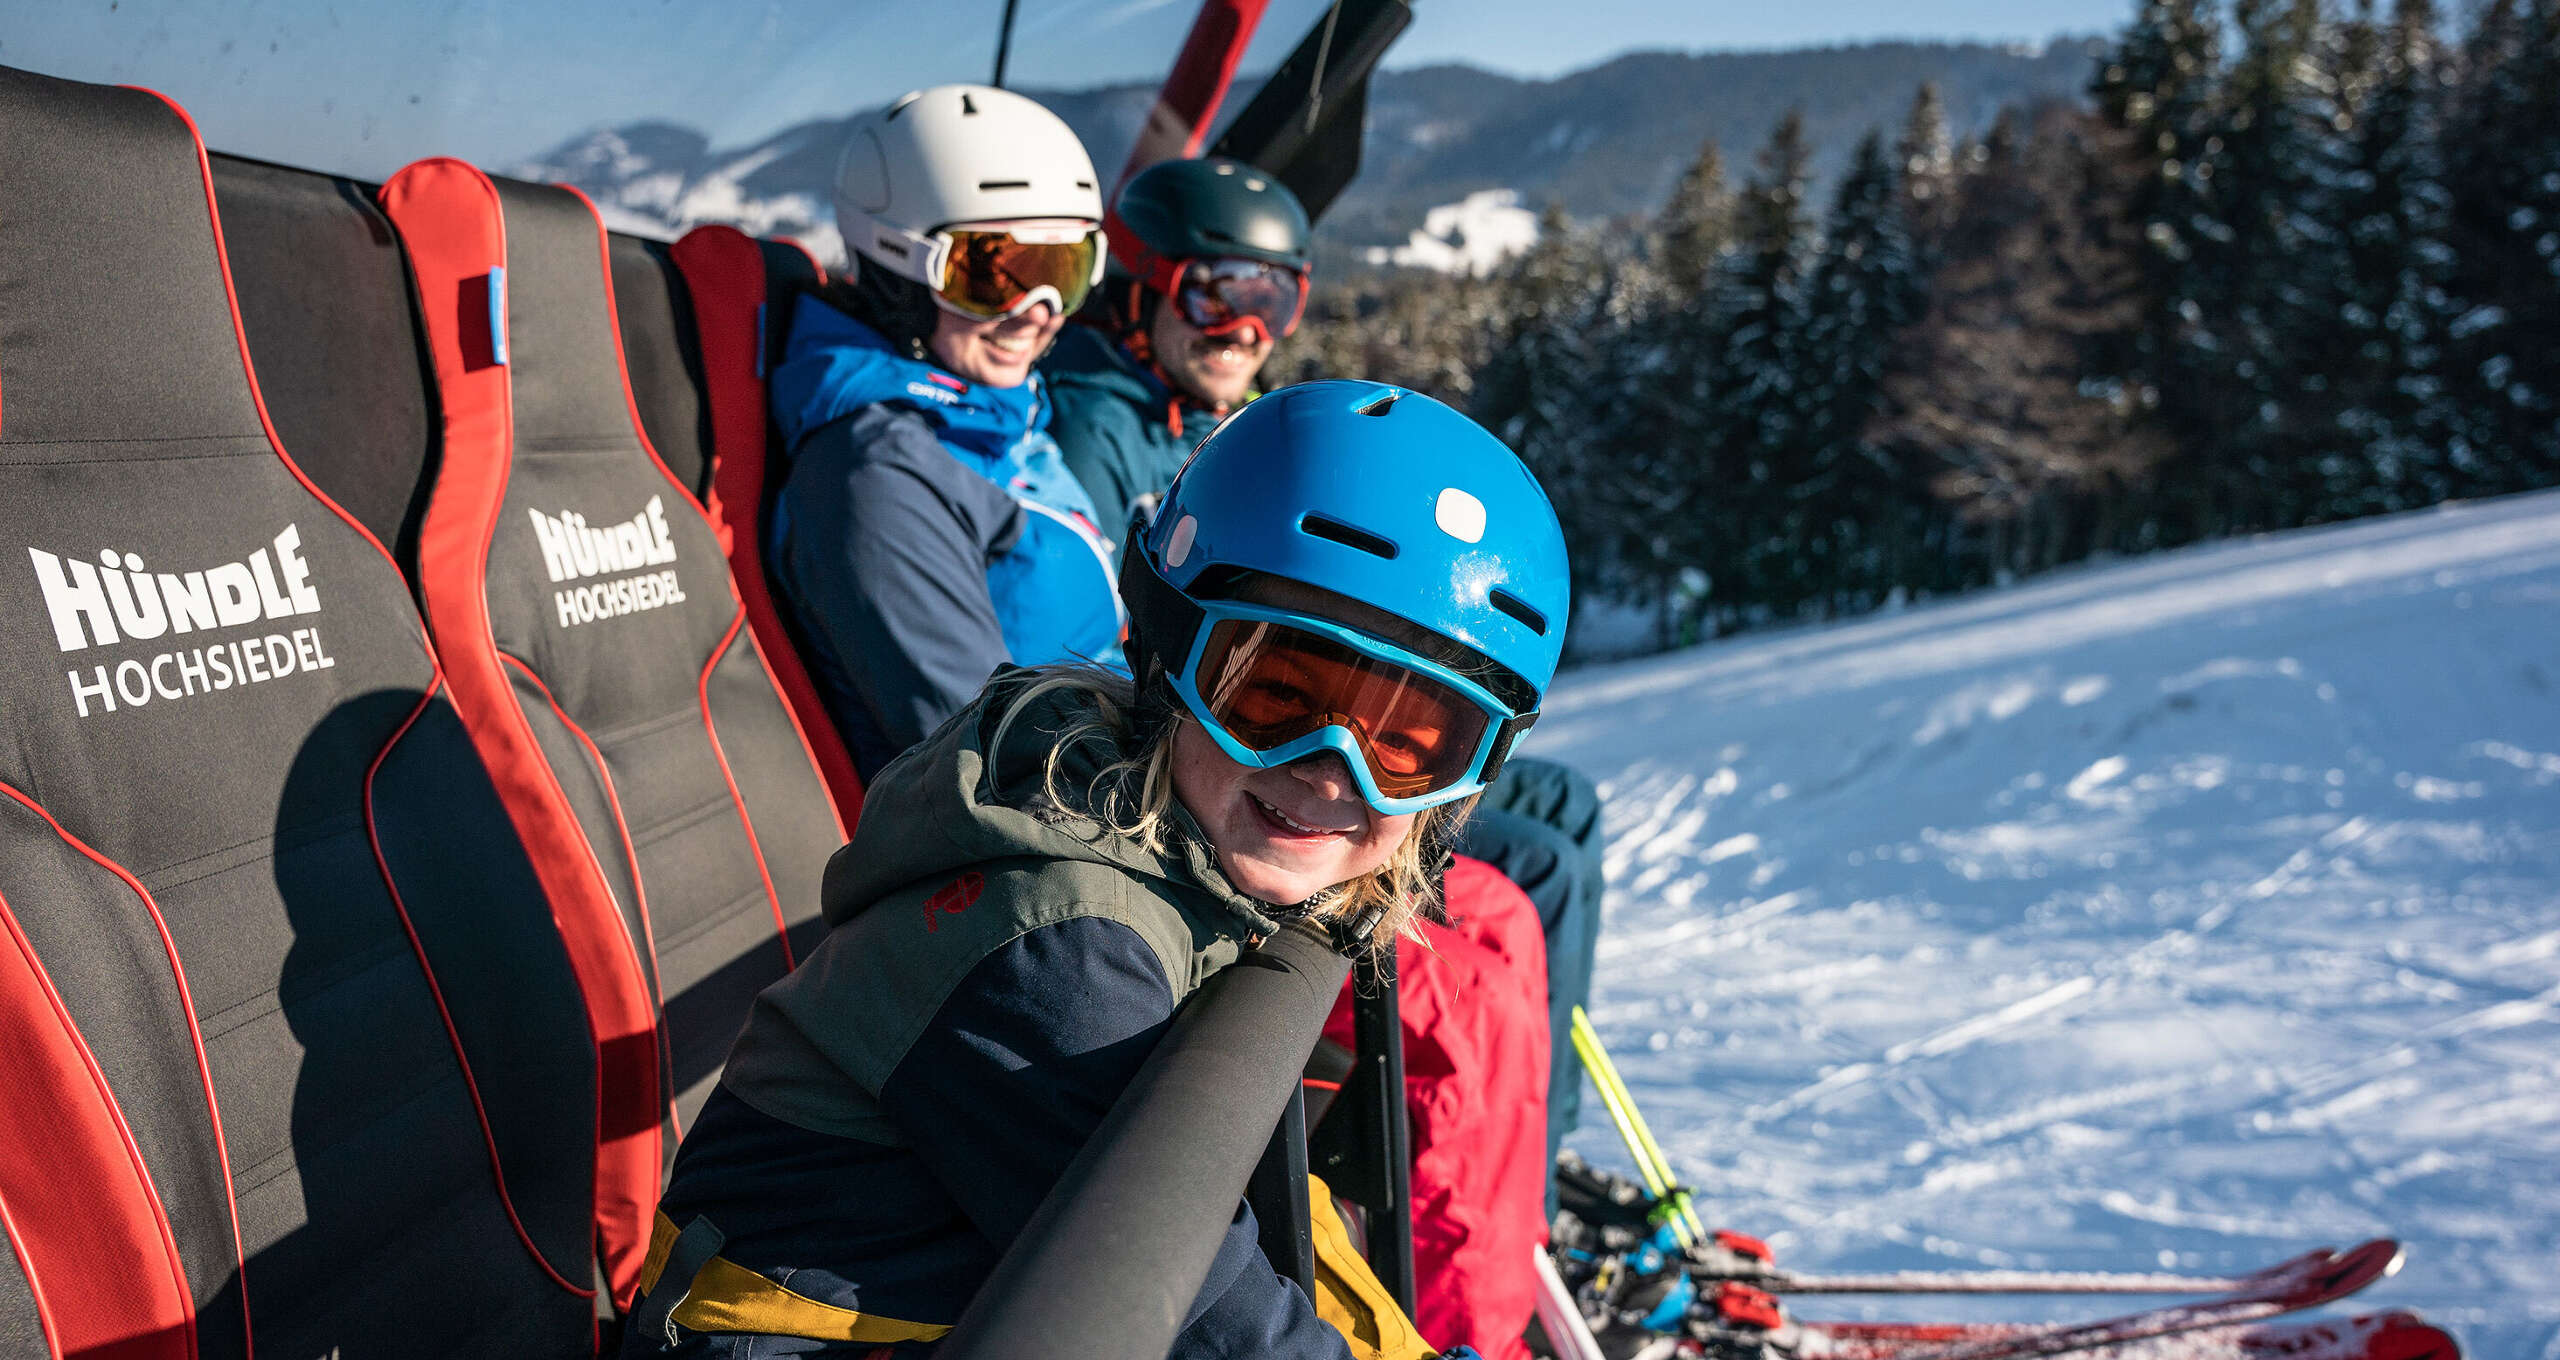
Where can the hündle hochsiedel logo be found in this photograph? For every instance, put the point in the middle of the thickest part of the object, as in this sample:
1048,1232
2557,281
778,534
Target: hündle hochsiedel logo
573,550
118,600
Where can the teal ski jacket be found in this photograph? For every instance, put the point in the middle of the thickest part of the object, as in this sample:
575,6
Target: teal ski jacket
1123,432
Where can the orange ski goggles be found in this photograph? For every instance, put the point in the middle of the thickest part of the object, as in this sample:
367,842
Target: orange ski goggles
989,273
1272,687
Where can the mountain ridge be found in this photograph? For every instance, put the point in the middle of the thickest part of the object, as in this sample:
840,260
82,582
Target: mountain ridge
1604,141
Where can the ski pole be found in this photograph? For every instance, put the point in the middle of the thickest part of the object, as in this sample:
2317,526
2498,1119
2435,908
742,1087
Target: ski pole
1595,1060
1622,1115
1606,1074
1651,1150
1618,1115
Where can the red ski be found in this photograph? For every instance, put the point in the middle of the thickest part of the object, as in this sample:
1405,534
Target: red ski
2380,1336
2307,1281
1732,1256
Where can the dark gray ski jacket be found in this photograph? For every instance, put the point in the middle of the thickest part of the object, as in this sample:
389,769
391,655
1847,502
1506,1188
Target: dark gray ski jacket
898,1106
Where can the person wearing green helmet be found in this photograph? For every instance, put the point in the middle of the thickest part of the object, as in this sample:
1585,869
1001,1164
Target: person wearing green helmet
1209,271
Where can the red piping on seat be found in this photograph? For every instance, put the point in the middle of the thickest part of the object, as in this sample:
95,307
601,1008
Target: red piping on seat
718,524
613,800
724,272
793,242
476,407
195,1036
435,675
35,1287
621,368
791,709
240,334
65,1164
781,928
453,1035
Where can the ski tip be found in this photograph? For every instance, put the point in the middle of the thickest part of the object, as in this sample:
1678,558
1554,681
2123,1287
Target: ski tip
2359,1266
2309,1260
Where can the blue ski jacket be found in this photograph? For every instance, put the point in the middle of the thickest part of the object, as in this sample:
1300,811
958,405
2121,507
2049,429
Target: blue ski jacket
926,532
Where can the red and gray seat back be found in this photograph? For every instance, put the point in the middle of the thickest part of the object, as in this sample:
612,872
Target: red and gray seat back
597,651
295,1050
740,290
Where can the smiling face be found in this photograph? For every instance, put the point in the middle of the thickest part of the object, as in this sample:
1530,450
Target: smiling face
1286,834
994,353
1215,371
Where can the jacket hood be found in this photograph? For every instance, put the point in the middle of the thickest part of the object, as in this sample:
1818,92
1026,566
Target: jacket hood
834,365
940,808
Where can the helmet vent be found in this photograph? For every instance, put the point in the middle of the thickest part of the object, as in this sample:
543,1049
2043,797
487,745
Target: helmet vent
1519,609
968,105
1348,535
1386,402
988,185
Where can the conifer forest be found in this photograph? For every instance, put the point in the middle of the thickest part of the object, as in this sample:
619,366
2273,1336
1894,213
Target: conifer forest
2290,262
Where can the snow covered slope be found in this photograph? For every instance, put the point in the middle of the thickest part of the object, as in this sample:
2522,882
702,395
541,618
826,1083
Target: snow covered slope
2188,912
1472,236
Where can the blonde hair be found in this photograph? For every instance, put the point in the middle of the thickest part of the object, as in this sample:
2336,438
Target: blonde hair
1132,795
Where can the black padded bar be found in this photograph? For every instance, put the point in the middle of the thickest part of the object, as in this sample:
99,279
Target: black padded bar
1110,1264
1278,1194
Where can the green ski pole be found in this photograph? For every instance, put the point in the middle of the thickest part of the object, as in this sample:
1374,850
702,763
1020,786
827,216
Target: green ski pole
1680,1200
1621,1116
1639,1135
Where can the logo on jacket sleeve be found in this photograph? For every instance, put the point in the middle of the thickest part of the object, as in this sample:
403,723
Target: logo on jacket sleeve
573,550
953,898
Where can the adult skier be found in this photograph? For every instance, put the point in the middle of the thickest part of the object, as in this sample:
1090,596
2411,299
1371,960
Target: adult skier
927,530
1209,272
1035,891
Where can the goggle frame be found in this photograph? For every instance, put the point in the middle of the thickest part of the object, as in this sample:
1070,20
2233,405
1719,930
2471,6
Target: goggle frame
1168,276
925,257
1499,719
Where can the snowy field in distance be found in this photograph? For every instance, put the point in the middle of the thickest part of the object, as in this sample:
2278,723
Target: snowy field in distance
2189,912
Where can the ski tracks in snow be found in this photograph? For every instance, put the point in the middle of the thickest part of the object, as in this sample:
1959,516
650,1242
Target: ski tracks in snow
2192,911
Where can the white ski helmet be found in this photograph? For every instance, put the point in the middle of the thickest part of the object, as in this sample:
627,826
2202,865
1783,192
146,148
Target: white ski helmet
950,154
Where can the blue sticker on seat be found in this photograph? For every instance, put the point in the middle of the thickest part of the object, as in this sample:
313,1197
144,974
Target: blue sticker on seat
498,315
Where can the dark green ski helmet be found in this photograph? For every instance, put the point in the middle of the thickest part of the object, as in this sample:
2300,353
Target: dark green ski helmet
1208,208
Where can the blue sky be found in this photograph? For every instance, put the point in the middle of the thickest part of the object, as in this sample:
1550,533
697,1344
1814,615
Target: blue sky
1534,37
364,86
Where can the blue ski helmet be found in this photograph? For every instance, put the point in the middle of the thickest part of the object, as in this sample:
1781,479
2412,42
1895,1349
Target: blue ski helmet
1375,493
